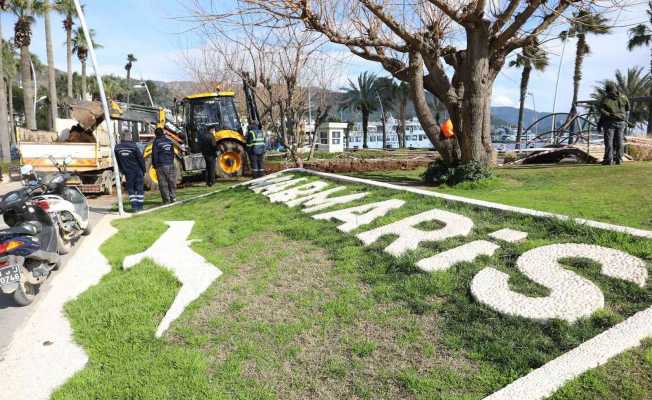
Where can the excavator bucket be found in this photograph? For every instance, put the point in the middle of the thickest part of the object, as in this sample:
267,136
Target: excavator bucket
89,114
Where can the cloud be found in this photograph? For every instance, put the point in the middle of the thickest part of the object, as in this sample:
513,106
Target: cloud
502,101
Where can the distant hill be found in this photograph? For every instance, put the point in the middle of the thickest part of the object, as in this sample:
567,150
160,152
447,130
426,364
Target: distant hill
509,116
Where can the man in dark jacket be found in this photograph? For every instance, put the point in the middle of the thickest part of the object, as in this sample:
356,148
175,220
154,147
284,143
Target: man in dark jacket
163,162
613,118
209,151
132,165
256,150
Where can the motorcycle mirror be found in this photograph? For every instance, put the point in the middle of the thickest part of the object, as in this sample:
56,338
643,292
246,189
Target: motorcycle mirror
26,169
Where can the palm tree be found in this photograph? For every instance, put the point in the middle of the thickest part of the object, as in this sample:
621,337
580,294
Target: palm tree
532,57
80,47
24,9
395,95
67,8
634,83
583,23
5,141
130,63
52,84
9,64
361,96
640,36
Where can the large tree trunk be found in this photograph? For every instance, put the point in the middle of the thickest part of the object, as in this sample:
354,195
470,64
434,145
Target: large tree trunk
5,142
476,75
69,55
447,148
83,79
525,78
580,52
26,76
128,85
365,126
649,106
28,88
52,85
12,122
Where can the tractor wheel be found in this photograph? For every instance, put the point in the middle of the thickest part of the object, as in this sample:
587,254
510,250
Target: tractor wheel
151,178
231,159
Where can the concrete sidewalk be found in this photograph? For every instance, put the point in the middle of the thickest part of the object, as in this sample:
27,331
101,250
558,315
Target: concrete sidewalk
42,354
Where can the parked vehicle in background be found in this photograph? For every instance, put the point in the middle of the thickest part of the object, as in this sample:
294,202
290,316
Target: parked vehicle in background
83,139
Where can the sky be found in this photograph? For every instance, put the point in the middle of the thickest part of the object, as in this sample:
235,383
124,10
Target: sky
153,31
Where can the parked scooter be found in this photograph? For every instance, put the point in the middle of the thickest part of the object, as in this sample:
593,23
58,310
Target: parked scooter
67,206
29,247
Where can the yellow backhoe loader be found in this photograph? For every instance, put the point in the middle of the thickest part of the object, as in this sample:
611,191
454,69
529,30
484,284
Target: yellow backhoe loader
214,111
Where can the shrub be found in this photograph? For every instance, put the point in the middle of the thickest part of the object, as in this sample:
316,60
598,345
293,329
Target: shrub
509,157
439,173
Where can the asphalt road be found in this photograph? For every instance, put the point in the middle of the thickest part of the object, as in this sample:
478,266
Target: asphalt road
13,316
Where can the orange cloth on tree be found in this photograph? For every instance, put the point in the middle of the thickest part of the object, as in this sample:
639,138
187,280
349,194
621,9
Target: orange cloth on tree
447,129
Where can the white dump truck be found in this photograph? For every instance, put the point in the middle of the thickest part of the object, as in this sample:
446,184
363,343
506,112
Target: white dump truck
81,138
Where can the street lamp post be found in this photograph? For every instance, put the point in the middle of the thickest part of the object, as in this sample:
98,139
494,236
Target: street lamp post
536,118
105,104
382,114
143,85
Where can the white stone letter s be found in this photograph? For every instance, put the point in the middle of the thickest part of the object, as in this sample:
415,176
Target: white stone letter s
572,296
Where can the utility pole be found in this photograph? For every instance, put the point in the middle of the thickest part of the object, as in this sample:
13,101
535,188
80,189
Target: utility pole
105,105
553,128
382,115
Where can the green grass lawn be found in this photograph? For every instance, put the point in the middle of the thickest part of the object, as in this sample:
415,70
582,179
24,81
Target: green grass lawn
620,195
304,311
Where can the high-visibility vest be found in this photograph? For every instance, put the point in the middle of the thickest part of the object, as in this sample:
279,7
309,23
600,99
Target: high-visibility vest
255,138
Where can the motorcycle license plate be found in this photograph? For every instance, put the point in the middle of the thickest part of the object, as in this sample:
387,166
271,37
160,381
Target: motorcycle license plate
10,274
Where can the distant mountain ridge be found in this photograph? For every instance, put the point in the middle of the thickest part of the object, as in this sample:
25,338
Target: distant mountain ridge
509,115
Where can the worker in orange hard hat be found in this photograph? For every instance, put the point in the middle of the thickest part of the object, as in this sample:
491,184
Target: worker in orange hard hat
447,129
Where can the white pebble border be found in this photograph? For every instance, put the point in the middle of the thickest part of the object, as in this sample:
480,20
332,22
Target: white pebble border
481,203
172,251
464,253
541,265
409,237
356,217
509,235
546,380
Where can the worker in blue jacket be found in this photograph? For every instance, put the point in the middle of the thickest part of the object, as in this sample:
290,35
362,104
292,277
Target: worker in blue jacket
163,162
132,165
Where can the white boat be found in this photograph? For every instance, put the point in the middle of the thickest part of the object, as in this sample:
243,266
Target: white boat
415,137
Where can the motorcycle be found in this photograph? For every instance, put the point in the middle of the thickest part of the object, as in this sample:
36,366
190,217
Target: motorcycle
29,247
67,206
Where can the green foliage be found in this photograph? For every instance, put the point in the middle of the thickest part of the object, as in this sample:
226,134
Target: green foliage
634,83
641,34
590,191
439,173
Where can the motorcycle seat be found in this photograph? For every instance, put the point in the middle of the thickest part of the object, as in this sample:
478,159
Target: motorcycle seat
31,228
